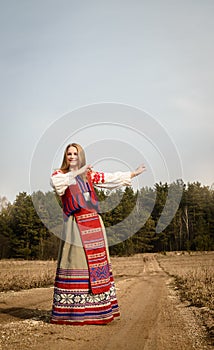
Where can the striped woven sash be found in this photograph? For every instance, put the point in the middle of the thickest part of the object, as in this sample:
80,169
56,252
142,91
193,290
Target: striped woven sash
95,249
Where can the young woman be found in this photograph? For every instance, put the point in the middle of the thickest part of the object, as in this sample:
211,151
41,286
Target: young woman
84,290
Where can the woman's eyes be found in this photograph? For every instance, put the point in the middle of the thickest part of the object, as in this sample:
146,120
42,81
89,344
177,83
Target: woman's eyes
70,154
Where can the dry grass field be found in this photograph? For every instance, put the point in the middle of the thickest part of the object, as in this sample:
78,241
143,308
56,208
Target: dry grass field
18,274
194,278
193,275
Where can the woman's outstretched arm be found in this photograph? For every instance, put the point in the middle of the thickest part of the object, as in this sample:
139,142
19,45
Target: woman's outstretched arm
116,179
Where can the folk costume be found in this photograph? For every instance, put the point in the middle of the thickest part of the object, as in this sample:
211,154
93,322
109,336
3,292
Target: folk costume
84,290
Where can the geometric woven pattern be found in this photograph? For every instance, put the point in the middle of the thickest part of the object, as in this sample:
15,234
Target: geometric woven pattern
93,241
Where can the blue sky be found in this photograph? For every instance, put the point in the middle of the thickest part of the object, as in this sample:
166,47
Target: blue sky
57,56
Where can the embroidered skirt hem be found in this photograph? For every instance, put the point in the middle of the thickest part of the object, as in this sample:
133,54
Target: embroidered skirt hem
75,304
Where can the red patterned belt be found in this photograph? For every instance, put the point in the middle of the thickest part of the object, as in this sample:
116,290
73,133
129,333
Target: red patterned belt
93,241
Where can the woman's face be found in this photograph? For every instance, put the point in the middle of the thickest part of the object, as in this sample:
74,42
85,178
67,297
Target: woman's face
72,158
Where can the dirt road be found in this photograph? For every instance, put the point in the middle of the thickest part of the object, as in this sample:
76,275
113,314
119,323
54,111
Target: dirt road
152,316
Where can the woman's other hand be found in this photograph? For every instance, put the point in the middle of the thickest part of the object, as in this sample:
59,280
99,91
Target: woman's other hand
138,171
86,168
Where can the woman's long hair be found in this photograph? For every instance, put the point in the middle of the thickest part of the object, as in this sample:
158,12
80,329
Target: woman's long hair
81,155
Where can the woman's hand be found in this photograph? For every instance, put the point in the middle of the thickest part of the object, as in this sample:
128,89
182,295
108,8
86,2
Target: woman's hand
138,171
84,169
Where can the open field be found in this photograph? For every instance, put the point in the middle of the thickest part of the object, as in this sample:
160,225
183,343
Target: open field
22,274
153,315
194,277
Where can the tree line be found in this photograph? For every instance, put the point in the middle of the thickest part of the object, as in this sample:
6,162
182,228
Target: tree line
130,217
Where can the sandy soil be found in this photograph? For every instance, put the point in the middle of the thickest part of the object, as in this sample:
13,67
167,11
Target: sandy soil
152,316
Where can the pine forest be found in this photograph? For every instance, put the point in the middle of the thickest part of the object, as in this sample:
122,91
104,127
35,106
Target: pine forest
130,217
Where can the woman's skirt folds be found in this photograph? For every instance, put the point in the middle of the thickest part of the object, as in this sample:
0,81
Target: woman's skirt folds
73,301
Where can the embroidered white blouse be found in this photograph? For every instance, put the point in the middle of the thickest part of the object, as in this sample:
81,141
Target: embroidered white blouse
60,181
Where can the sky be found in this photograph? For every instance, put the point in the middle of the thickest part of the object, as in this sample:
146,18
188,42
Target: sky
129,80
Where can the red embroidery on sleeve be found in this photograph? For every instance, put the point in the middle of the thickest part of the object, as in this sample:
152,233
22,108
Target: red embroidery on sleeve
96,178
103,180
57,172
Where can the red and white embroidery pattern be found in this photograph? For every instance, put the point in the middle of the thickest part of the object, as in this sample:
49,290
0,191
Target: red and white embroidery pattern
98,177
57,172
